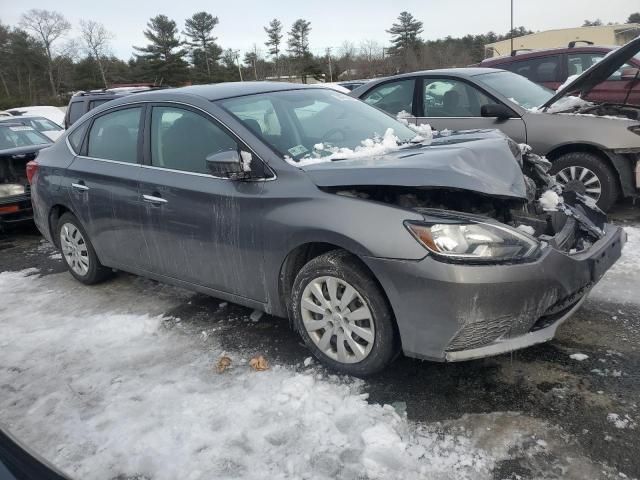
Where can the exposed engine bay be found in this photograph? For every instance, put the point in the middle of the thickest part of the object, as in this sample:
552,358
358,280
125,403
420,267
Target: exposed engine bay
631,112
565,219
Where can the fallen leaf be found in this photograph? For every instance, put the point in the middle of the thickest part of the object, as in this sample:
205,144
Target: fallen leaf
259,363
223,364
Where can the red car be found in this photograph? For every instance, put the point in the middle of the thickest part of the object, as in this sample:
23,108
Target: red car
552,67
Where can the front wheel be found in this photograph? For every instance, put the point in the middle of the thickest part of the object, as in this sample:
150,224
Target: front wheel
78,253
589,175
343,316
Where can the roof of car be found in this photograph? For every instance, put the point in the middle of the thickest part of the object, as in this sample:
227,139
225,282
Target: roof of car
458,72
544,52
217,91
17,118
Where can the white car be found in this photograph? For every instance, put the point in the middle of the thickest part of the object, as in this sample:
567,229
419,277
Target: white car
55,114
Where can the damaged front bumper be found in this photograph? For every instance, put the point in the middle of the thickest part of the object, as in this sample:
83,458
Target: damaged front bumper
454,312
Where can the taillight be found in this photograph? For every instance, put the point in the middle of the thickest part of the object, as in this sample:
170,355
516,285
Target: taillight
32,168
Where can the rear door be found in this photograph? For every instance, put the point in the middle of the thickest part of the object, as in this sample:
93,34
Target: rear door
102,182
455,104
199,228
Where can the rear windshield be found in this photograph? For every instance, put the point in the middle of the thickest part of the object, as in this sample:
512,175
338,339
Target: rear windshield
20,136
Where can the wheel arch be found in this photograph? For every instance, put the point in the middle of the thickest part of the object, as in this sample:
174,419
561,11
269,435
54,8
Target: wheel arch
300,256
55,212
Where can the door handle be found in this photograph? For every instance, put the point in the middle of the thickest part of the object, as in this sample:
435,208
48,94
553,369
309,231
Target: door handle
80,186
153,199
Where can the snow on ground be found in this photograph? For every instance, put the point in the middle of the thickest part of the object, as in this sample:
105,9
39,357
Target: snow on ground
99,382
620,283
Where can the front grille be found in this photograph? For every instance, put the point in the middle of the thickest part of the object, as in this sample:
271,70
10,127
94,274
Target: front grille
478,334
560,308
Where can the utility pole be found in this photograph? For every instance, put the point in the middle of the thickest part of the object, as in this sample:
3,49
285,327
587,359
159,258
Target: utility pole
330,69
237,52
255,59
511,33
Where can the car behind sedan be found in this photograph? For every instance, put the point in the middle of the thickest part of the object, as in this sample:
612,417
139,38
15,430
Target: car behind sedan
308,204
594,147
18,145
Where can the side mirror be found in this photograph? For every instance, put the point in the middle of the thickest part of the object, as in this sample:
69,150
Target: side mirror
497,110
230,164
630,74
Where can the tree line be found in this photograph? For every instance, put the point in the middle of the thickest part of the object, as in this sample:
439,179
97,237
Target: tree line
41,64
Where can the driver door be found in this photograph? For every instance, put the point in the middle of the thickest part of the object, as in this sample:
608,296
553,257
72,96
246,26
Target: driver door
198,228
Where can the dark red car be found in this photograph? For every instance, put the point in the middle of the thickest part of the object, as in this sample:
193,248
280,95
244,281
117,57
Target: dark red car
552,67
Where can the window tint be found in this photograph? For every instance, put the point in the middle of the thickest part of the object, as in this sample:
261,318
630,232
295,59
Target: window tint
76,110
182,140
452,98
96,103
545,69
114,136
76,138
392,97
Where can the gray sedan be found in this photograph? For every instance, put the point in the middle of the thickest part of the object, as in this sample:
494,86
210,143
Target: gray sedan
308,204
595,149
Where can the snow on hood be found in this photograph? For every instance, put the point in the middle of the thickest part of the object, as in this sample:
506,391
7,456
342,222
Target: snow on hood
474,160
597,73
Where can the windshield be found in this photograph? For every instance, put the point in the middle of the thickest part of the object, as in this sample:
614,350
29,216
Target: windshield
516,88
20,136
305,122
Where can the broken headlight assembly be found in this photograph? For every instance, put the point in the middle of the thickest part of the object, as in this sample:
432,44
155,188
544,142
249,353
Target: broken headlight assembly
475,241
10,189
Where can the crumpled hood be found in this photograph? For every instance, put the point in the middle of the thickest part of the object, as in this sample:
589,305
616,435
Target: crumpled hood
478,160
598,72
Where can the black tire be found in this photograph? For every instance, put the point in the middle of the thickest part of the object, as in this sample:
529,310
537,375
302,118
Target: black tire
610,190
346,267
96,272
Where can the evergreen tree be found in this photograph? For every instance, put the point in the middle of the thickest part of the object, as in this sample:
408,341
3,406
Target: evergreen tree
164,55
274,35
199,29
634,18
405,34
298,41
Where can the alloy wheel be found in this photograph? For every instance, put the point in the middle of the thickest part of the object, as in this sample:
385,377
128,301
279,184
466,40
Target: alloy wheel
582,180
74,249
337,319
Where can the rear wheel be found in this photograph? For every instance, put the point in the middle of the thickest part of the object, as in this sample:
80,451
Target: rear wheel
343,316
78,253
589,175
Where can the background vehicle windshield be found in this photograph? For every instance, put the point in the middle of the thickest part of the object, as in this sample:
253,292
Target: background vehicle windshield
293,122
517,88
20,136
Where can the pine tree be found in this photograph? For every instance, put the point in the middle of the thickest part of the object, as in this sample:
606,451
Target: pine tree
274,34
199,29
634,18
405,34
164,56
298,41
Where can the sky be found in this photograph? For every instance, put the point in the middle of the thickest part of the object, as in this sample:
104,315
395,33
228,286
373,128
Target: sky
332,21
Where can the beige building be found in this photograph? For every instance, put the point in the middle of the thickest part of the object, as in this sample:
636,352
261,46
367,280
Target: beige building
608,35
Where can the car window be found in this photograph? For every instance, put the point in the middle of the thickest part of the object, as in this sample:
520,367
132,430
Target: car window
44,125
579,62
259,116
392,97
20,136
452,98
182,139
114,136
77,136
96,103
546,69
76,110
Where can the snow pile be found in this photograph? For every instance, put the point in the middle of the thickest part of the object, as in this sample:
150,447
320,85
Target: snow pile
424,130
550,200
569,79
104,386
370,147
621,421
578,357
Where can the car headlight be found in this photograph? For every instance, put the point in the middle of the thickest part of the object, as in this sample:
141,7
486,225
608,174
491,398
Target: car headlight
635,129
474,241
10,189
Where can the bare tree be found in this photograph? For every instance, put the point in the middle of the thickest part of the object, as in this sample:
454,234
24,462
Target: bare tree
48,27
96,42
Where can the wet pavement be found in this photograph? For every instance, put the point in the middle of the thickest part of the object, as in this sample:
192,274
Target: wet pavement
582,409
